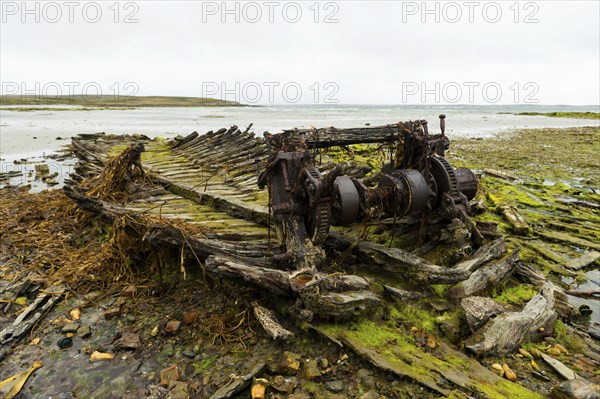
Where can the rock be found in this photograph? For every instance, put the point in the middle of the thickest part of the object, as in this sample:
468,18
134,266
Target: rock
84,331
534,365
559,367
541,375
290,363
323,362
479,310
310,369
335,386
365,379
508,373
70,328
128,341
154,332
189,318
178,390
189,353
169,374
65,343
172,327
576,389
283,384
112,313
370,395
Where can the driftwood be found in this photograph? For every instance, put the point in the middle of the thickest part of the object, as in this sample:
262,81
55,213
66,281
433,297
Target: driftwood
479,310
402,295
493,250
530,275
559,367
500,174
27,319
514,218
396,260
328,303
505,333
485,278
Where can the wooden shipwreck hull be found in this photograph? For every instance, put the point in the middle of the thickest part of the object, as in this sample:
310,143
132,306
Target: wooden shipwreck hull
210,180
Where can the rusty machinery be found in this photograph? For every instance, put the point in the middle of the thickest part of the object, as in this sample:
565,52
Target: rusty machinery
417,180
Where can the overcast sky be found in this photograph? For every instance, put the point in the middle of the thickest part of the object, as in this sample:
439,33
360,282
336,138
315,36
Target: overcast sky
351,52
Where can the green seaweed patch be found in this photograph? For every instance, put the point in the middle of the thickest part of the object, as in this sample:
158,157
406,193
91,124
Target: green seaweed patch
516,295
564,335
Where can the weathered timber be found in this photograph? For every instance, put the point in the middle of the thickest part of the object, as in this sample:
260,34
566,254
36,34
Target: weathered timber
276,281
584,260
500,174
485,253
232,207
514,218
529,274
163,234
569,239
505,333
396,260
485,278
559,367
402,295
479,310
346,304
28,318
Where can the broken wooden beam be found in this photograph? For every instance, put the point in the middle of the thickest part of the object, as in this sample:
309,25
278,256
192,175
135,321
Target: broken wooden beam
505,333
485,253
485,278
396,260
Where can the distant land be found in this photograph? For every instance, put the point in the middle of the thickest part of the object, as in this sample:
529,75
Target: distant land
117,102
573,115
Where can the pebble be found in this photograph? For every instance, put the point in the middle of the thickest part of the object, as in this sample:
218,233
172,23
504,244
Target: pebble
311,370
496,368
525,353
189,318
370,395
169,374
283,384
172,327
335,386
189,353
70,328
84,331
112,313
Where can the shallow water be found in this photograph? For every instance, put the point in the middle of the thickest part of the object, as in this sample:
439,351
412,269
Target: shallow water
27,134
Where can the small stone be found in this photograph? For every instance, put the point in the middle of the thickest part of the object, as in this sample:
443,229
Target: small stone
290,363
310,369
154,331
84,331
335,386
323,363
100,356
128,341
370,395
534,365
431,342
178,390
65,343
189,353
189,318
541,375
365,379
169,374
112,313
70,328
283,384
508,373
519,356
172,327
